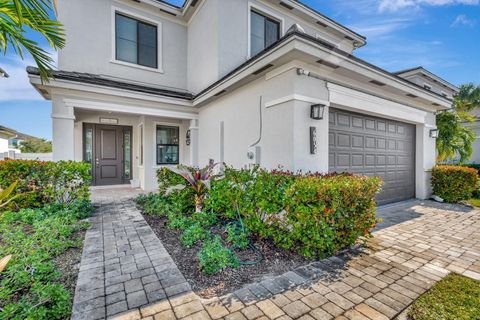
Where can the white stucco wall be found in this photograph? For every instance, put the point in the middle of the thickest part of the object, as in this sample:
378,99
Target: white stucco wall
285,124
3,145
219,36
90,42
285,141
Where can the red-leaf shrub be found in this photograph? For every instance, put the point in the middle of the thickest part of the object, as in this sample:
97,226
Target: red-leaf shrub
313,214
454,183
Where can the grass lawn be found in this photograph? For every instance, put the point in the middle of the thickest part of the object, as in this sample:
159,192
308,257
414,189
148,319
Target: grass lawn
474,202
453,298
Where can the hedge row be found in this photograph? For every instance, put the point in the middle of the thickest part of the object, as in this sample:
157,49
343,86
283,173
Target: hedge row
454,183
315,215
46,182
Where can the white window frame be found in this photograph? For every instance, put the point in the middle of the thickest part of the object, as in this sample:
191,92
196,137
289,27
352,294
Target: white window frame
167,124
138,17
266,12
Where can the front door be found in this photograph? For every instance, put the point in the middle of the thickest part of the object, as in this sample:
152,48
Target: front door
108,148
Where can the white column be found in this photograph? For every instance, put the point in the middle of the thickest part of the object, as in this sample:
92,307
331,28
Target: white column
425,157
194,143
63,120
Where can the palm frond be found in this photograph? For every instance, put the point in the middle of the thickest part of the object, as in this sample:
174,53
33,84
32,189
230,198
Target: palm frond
19,16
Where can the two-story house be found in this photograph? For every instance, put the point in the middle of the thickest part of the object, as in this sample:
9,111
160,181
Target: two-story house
144,84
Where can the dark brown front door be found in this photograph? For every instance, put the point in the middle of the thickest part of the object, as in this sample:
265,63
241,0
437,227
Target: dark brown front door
108,148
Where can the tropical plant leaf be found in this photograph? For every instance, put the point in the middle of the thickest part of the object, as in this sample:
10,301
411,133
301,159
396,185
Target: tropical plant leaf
4,261
18,16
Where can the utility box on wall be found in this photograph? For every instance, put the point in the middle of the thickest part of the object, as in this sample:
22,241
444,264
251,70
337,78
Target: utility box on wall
253,155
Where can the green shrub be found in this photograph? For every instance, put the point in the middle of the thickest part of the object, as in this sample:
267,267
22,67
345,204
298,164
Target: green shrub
454,183
214,257
237,236
205,219
29,286
312,214
193,234
46,182
179,221
154,204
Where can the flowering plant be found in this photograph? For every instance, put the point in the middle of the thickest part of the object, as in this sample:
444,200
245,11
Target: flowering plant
200,181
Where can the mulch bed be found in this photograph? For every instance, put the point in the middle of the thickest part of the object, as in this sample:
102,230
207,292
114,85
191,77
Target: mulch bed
276,261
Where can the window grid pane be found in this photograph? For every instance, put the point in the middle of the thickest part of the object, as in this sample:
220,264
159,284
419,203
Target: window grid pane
168,151
264,32
136,42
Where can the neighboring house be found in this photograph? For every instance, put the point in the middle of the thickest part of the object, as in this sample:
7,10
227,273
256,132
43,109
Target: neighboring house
144,84
476,145
10,139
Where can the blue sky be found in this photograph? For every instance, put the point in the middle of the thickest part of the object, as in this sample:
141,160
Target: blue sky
441,35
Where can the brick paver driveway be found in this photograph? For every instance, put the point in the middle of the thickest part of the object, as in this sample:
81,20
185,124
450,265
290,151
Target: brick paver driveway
127,274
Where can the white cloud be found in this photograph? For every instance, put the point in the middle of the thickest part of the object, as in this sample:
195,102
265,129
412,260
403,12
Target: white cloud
17,87
462,20
381,28
395,5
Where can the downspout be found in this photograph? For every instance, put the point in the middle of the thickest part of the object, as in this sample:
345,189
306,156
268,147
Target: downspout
261,125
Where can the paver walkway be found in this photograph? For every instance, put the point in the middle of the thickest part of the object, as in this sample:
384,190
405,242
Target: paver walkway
125,267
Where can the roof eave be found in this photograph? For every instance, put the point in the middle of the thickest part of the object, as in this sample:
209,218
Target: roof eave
438,101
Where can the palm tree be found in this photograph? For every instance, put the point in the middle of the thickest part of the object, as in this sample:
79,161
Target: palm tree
455,140
19,16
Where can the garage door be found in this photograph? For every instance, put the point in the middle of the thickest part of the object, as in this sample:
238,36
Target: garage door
374,147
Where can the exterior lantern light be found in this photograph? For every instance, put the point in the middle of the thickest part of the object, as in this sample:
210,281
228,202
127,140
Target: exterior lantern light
434,133
316,111
188,138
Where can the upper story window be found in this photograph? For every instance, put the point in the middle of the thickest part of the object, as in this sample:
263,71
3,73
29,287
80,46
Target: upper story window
136,41
264,32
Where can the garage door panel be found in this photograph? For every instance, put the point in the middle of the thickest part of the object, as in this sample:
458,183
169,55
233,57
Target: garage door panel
374,147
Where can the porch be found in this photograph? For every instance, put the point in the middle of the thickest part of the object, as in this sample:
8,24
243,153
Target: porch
125,145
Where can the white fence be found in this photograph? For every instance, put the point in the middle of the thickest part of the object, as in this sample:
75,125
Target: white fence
27,156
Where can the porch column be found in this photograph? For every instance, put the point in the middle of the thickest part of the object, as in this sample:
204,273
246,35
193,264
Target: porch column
425,157
194,142
63,119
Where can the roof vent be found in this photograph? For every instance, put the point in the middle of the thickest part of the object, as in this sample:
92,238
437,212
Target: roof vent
285,5
411,95
378,83
295,28
194,3
320,23
268,66
328,64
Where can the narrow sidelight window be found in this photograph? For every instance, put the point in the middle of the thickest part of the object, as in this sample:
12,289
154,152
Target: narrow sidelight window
167,145
136,41
264,32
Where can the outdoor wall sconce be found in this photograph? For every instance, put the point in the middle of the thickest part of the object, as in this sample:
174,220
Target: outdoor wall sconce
188,140
316,111
434,133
